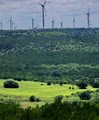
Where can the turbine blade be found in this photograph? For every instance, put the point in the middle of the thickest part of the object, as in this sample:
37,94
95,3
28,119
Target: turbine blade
40,4
45,2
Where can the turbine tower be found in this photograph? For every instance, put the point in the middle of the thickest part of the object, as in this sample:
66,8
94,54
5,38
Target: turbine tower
88,18
43,13
32,23
11,23
74,21
53,24
1,25
61,24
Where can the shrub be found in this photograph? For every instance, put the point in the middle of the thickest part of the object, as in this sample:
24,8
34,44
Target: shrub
61,83
42,84
69,87
42,80
10,84
73,88
48,83
64,82
95,85
32,98
59,98
85,95
67,96
37,100
82,85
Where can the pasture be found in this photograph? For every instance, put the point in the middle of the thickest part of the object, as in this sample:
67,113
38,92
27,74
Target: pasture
44,92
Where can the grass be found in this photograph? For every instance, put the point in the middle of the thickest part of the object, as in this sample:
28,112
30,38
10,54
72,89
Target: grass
44,92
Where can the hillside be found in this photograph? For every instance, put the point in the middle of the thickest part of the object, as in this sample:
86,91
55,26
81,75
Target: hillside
50,54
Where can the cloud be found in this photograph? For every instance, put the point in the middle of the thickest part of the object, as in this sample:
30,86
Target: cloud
56,5
23,10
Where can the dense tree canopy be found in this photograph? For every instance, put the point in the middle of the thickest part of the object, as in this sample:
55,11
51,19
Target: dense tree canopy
53,111
50,54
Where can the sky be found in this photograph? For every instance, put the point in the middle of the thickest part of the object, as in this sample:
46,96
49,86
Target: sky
22,12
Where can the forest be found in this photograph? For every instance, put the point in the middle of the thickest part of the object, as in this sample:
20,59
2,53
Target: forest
50,54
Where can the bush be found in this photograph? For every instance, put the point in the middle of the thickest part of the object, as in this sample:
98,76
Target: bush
82,85
58,98
73,88
10,84
37,100
48,83
61,83
32,98
64,82
85,95
70,88
95,85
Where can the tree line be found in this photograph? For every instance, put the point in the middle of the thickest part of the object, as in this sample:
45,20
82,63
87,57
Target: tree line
55,111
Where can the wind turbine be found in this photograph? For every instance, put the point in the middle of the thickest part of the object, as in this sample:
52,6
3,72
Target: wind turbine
11,23
61,23
88,18
1,25
32,23
74,21
53,24
43,13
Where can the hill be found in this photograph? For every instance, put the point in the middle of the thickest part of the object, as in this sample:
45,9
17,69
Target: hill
50,54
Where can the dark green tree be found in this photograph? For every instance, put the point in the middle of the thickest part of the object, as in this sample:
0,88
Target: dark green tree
49,83
11,84
82,85
32,98
58,98
95,85
60,83
85,95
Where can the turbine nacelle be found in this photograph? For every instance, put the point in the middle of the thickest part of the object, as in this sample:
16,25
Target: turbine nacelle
43,5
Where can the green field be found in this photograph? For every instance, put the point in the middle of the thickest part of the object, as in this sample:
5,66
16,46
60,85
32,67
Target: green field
44,92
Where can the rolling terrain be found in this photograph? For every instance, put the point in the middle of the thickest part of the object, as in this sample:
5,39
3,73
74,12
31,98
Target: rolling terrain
34,59
59,54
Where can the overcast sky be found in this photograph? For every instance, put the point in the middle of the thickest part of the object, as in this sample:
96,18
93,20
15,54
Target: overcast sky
22,11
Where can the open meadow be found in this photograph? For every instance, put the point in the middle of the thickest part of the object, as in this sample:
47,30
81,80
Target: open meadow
40,90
